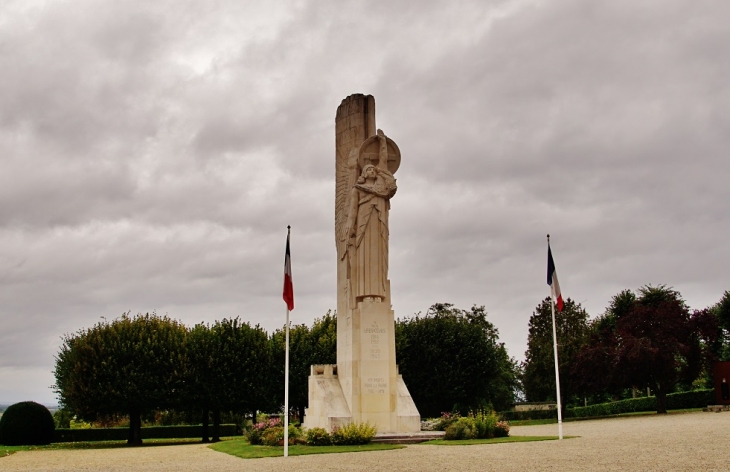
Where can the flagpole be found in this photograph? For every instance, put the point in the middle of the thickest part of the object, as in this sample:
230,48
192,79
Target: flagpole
286,389
286,355
555,352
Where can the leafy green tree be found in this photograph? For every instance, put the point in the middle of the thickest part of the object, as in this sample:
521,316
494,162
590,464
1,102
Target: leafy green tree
452,359
132,366
228,364
539,366
317,345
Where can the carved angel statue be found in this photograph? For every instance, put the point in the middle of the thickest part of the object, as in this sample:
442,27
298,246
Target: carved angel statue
366,228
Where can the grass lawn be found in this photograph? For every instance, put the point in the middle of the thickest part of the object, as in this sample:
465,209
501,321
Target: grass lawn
7,450
509,439
241,448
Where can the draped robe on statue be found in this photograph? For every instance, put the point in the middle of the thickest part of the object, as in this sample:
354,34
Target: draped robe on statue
370,207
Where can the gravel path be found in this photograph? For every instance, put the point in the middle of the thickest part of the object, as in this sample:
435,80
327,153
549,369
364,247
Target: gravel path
691,441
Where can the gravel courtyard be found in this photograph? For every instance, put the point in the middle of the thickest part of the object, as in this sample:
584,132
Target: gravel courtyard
691,441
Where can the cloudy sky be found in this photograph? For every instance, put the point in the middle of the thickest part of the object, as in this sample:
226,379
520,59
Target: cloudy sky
153,153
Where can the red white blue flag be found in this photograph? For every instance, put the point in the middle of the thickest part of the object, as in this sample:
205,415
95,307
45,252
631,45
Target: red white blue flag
288,284
552,280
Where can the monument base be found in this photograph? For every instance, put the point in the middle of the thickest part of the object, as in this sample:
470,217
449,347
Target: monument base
328,406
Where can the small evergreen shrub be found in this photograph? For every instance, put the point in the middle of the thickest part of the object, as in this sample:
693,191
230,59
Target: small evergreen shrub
353,433
26,424
318,437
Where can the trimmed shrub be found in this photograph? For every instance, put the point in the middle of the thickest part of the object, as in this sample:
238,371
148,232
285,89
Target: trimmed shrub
270,432
675,401
501,429
26,424
529,415
476,426
693,399
353,433
255,435
463,428
446,420
485,424
273,436
318,437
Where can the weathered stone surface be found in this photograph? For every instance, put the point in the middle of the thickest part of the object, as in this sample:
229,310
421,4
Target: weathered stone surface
366,371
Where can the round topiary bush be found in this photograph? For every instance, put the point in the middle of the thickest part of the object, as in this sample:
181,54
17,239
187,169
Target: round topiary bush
26,424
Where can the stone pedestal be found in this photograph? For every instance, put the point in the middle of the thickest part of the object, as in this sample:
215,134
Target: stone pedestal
365,385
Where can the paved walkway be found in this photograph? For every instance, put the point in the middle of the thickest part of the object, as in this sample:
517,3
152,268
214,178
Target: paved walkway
691,441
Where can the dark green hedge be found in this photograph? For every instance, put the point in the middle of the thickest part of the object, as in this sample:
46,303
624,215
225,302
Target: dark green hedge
675,401
529,415
152,432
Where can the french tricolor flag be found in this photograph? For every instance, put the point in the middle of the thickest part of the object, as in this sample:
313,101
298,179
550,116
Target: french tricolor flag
552,280
288,284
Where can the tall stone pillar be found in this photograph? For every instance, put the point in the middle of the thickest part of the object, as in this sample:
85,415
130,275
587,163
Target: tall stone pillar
365,385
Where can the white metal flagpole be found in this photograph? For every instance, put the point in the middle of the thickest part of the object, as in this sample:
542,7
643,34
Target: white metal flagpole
555,352
289,299
286,389
557,371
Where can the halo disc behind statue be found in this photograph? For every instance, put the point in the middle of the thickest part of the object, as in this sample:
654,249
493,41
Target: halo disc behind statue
370,153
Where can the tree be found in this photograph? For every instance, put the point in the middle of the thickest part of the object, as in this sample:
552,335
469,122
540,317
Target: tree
228,364
451,359
655,343
722,312
130,366
539,366
593,367
317,345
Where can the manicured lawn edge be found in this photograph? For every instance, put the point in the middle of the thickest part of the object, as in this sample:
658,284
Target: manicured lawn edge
8,450
586,418
509,439
244,450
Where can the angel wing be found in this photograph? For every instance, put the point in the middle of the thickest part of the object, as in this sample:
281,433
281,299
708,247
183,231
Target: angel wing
346,174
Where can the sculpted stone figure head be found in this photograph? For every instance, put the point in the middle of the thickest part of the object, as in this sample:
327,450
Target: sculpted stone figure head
368,172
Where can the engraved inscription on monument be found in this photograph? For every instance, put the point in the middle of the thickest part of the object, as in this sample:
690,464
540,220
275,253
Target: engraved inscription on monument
375,333
376,385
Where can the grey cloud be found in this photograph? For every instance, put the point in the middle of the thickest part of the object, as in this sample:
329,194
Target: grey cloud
153,154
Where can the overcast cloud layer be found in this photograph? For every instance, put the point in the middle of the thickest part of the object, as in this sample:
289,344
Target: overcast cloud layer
153,153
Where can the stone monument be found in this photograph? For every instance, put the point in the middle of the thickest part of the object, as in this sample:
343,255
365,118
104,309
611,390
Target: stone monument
364,385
